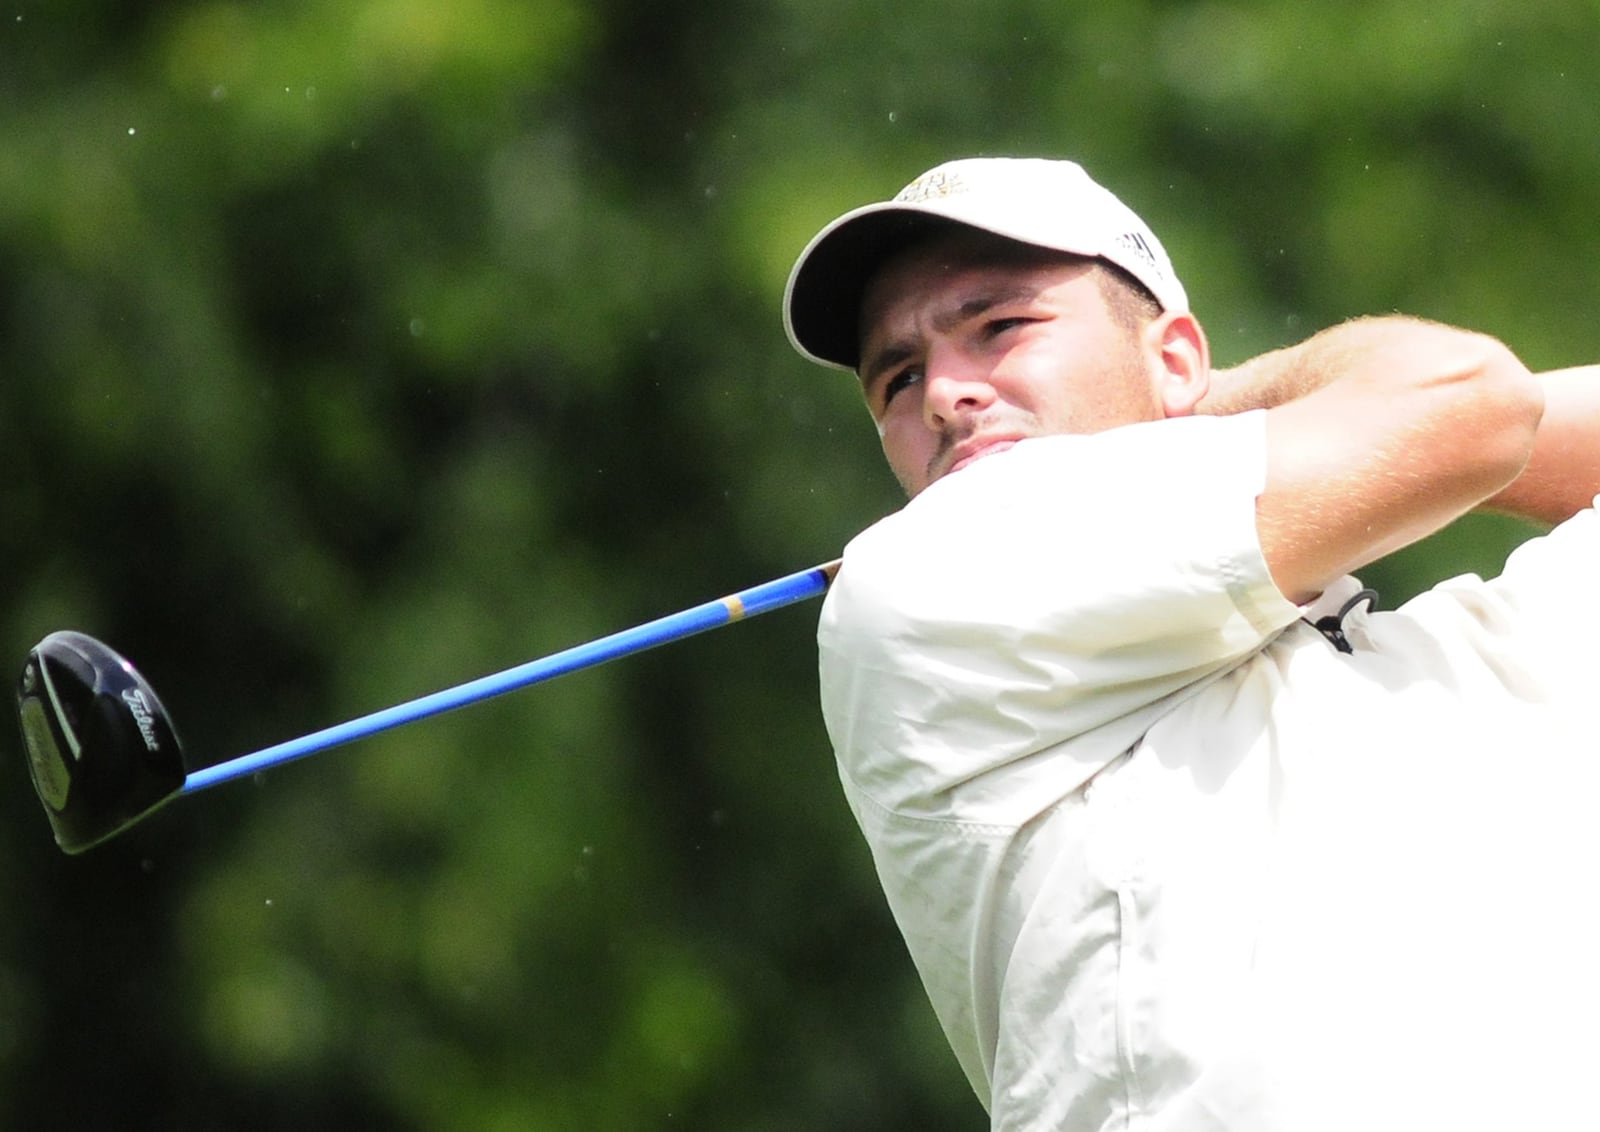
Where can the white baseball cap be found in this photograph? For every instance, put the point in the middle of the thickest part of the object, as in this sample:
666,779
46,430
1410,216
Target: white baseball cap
1049,204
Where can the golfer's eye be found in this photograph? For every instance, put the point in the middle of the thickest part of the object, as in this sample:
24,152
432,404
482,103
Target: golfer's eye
899,381
998,326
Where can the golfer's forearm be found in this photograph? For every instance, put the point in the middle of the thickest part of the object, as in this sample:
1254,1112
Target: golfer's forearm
1293,372
1415,426
1562,476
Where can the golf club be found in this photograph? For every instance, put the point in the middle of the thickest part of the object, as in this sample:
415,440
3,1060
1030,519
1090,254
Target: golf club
103,753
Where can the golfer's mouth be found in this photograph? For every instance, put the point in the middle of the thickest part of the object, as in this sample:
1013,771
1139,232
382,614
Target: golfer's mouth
968,453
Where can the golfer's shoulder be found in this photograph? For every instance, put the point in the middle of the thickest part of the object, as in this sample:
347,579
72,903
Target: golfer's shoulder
1553,579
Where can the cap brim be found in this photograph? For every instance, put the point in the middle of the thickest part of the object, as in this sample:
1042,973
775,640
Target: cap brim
822,306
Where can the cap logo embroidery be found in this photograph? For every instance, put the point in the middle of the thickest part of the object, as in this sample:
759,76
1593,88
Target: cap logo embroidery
1135,243
931,186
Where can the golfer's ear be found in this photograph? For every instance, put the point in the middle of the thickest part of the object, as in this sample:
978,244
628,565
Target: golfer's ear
1182,362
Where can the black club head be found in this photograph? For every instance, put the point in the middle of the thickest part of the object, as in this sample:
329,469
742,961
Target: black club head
100,746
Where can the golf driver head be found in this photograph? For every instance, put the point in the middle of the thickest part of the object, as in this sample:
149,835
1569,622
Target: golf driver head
100,746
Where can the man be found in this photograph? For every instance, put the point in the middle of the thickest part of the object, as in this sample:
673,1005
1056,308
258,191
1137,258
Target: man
1180,831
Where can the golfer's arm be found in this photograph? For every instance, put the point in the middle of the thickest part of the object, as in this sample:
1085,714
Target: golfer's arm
1405,427
1562,476
1291,372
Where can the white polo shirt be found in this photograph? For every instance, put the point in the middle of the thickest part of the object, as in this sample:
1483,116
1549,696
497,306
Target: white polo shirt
1163,856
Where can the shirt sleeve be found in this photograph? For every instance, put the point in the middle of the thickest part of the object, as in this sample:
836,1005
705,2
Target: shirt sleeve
1016,626
1551,580
1536,627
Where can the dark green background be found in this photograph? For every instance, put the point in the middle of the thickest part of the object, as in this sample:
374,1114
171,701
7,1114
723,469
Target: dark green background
353,348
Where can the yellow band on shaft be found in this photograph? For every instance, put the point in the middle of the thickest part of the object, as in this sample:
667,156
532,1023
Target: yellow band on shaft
735,608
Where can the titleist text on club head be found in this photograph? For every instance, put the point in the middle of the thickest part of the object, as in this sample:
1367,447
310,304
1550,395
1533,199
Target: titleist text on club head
101,749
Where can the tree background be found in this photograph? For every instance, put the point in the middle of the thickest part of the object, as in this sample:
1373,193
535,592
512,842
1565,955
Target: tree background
350,349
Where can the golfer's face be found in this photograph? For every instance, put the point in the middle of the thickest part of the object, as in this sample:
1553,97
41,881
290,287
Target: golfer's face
964,353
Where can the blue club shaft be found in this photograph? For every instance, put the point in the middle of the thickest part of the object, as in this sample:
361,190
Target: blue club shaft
673,627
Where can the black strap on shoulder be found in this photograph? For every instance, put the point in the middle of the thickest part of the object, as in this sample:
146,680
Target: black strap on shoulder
1332,626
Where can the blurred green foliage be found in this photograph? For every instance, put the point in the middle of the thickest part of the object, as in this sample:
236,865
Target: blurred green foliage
354,348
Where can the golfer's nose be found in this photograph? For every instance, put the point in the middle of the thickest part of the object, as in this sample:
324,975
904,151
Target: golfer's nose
955,385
